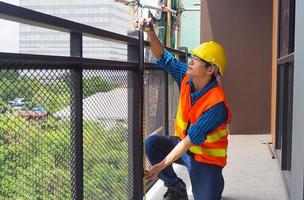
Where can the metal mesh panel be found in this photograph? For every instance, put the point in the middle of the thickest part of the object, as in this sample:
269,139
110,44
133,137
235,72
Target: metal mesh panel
34,140
173,103
154,101
105,114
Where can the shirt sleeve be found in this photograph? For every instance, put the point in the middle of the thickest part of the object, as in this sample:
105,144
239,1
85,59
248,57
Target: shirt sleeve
174,67
207,123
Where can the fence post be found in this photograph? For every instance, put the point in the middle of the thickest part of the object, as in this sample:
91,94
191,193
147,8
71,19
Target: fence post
135,118
76,120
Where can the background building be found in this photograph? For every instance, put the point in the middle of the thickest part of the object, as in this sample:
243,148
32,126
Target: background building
101,14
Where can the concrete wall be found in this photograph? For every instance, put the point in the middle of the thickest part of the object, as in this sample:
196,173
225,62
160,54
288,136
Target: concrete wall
244,28
297,165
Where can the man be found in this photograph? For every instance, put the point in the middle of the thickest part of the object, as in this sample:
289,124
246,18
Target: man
200,141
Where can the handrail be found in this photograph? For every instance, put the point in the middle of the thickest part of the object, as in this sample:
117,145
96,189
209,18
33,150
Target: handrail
26,16
64,61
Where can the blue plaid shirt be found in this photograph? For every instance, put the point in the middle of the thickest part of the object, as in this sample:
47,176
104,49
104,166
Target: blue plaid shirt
210,119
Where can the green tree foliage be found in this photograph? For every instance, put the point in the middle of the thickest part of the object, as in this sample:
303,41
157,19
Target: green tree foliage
35,160
105,162
35,155
95,84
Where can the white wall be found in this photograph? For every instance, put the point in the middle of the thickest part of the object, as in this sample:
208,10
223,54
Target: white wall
297,166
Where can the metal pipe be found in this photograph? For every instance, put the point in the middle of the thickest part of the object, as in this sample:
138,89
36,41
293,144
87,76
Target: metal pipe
179,24
168,30
63,62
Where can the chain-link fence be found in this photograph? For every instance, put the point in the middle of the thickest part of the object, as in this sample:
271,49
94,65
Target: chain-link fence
34,142
105,136
35,134
154,102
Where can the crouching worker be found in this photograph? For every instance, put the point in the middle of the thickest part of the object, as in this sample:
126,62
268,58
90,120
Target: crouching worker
200,139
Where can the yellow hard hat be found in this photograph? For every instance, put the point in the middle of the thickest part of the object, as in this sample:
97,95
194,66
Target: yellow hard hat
213,53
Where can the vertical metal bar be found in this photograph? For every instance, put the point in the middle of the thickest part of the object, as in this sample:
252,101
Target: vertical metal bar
287,117
135,117
291,26
76,120
279,107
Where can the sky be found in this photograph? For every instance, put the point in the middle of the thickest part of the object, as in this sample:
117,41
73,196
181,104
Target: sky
9,31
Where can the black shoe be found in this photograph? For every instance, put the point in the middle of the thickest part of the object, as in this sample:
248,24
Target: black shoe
176,193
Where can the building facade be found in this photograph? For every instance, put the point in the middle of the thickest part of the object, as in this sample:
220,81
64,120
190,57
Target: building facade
100,14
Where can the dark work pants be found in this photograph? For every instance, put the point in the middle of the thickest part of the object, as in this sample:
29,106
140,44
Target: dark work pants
206,179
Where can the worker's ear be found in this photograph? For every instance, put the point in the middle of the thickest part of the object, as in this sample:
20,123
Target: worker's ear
210,69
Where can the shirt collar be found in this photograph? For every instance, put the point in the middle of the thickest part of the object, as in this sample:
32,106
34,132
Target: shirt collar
213,82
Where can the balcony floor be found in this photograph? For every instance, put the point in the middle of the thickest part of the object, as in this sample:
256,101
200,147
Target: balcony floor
250,174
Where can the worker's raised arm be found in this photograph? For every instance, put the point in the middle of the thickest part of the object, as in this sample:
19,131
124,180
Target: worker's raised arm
156,46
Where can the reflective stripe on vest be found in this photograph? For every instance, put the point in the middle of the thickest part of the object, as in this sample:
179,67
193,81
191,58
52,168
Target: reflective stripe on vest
182,125
209,152
217,136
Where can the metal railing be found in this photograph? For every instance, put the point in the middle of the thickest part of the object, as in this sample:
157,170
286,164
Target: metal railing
65,129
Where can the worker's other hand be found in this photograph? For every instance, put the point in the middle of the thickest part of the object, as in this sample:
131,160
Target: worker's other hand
154,171
163,7
144,24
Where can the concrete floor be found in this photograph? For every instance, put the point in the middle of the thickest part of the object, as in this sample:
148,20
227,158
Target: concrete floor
251,173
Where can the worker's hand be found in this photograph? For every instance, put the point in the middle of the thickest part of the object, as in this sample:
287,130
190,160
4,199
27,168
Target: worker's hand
163,7
154,171
144,24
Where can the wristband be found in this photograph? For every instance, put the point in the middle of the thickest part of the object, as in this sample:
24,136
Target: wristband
147,27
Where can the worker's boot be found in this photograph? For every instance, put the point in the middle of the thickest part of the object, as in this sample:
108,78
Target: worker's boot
176,193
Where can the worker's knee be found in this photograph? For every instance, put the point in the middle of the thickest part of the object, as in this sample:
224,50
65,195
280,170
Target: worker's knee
150,143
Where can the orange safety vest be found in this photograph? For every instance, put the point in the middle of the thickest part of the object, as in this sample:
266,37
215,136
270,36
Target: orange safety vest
214,149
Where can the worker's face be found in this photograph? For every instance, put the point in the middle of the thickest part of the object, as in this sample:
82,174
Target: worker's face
199,68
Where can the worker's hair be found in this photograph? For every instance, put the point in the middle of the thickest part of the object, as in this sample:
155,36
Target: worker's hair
215,70
217,74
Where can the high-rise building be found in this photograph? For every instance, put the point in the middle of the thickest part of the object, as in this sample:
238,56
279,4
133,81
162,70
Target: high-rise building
104,14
